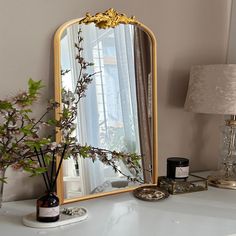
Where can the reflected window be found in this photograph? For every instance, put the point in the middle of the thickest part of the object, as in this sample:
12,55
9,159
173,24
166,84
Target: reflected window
108,114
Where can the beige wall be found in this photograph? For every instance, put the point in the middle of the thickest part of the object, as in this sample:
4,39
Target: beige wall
188,32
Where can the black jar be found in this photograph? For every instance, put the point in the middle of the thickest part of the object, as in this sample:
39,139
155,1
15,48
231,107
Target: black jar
48,209
177,168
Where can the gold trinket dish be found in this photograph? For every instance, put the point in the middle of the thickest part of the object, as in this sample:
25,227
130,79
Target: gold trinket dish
150,193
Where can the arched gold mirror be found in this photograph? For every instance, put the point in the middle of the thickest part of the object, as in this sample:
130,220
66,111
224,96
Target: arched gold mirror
118,111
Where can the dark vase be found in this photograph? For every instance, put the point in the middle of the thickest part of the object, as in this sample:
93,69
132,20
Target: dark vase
48,209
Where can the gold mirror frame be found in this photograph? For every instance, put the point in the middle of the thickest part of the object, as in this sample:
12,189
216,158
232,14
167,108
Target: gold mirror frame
108,19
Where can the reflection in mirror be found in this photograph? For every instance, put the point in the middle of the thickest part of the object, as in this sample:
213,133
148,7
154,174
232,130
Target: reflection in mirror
117,112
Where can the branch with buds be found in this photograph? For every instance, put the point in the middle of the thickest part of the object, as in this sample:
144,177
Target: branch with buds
22,146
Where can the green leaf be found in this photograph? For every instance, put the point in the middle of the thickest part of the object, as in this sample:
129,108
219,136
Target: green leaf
3,180
52,122
32,144
47,159
84,151
37,143
26,117
34,87
27,130
40,170
4,105
35,171
25,111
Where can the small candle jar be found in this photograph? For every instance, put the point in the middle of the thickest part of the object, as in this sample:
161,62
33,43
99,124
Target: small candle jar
177,168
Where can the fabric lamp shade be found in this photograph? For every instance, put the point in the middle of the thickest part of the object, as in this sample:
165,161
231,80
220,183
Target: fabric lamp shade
212,89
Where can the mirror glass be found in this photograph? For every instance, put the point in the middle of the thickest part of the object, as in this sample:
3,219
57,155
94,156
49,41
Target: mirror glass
116,113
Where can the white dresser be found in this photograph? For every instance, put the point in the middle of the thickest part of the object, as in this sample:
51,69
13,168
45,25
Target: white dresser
207,213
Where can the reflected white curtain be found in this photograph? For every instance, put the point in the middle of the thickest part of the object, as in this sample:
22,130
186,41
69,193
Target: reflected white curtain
108,114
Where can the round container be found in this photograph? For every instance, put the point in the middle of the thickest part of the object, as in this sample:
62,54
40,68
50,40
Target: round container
177,168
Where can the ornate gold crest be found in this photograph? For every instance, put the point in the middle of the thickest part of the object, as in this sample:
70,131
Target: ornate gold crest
109,19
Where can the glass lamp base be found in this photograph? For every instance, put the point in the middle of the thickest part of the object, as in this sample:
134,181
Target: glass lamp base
220,181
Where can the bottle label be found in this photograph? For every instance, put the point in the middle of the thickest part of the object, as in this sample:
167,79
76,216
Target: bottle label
181,172
49,211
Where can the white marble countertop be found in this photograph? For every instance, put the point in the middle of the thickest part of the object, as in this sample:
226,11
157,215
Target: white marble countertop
206,213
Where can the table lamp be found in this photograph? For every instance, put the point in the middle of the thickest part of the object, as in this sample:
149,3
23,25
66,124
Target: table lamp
212,89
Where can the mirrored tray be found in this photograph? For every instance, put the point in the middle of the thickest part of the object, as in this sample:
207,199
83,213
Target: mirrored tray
193,183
